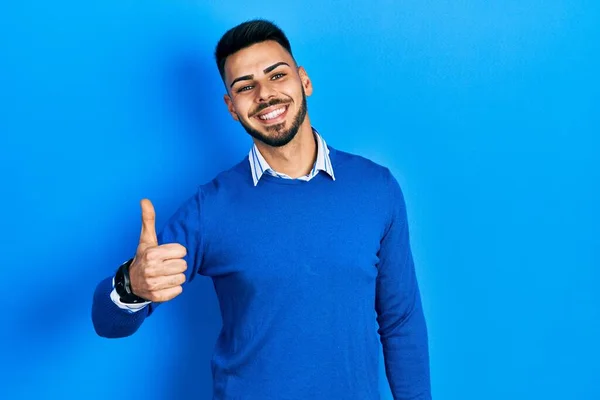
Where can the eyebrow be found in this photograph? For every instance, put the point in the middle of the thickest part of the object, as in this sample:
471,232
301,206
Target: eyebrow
265,71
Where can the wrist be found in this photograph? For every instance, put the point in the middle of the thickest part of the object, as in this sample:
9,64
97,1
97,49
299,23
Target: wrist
123,285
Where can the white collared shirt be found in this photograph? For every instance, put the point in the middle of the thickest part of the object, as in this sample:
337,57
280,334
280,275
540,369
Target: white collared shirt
260,166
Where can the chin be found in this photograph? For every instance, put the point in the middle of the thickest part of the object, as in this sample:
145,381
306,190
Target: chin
278,134
275,136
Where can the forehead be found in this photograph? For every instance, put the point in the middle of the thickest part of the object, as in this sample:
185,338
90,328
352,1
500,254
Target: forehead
254,59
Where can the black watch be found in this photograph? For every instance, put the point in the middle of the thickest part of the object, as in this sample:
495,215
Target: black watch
123,285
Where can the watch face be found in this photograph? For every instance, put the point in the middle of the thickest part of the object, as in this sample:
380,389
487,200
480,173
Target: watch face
120,283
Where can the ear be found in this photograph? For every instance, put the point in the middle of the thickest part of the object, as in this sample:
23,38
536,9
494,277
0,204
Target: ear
306,82
230,108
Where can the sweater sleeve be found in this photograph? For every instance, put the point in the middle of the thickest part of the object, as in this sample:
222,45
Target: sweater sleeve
402,326
184,228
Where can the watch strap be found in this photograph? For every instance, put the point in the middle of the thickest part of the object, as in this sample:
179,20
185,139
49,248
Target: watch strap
123,285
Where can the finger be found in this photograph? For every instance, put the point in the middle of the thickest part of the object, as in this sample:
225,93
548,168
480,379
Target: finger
166,294
165,282
148,234
155,257
170,251
158,268
172,267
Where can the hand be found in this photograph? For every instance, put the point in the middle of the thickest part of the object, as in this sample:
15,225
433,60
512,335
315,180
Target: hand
157,272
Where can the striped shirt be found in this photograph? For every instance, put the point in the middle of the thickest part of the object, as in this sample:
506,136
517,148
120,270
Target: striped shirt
259,166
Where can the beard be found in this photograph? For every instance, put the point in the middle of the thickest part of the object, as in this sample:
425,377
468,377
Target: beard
278,135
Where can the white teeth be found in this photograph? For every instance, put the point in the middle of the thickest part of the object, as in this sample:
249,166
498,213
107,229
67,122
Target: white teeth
272,114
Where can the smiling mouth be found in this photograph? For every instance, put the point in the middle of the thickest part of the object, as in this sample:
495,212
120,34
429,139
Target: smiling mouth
276,114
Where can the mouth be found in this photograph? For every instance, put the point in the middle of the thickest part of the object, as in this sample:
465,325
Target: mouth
272,115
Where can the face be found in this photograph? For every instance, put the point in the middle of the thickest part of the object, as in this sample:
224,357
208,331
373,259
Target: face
267,92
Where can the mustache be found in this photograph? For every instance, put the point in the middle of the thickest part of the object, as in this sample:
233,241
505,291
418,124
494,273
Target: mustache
270,103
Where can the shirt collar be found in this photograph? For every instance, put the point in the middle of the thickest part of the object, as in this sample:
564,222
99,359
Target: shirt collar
259,166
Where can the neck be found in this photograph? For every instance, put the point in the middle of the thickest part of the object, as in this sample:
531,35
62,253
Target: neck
296,158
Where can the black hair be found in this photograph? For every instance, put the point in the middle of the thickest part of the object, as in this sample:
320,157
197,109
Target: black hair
245,35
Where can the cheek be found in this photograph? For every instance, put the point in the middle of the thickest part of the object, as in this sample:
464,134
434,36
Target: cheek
240,107
295,93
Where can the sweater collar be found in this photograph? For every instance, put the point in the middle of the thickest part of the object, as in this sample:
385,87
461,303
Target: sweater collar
259,166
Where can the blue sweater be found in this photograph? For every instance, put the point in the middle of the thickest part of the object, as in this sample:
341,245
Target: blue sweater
309,276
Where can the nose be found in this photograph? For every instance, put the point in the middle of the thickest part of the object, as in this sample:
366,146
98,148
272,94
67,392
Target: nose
264,93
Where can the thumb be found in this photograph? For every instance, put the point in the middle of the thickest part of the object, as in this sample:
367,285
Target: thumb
148,234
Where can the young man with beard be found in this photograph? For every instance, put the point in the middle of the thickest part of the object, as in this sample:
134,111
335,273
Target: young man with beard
307,246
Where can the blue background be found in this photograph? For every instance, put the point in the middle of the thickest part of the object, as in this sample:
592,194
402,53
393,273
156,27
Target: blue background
486,112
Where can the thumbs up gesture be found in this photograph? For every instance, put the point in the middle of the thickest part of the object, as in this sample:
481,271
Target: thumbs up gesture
157,272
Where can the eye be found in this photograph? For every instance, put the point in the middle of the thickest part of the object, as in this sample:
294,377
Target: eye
244,89
277,76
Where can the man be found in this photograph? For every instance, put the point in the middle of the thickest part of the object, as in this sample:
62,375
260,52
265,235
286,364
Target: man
307,247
